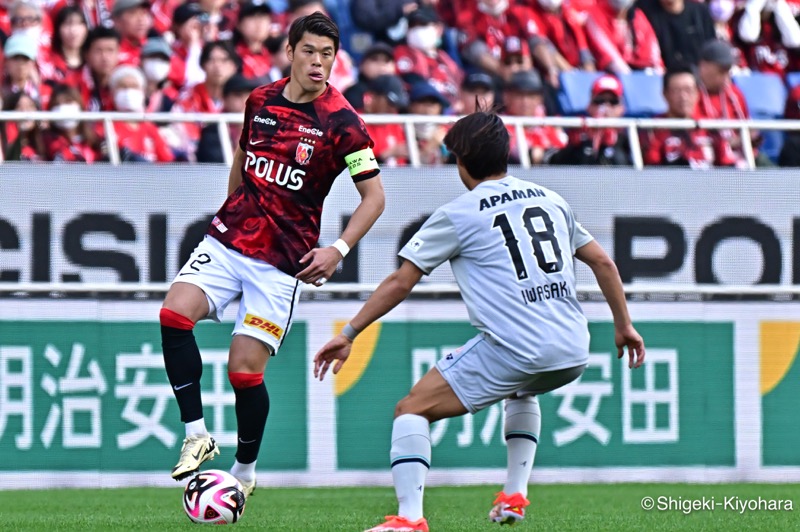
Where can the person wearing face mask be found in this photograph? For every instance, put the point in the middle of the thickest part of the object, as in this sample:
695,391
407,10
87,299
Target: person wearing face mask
27,18
564,27
599,146
769,36
137,141
487,27
422,59
69,140
621,38
681,26
722,11
160,93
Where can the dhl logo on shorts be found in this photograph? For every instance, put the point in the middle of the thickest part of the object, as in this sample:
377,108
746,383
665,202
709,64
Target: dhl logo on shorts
264,325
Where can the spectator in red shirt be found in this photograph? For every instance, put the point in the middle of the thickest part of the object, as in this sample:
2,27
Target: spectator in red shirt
63,62
422,59
477,92
487,29
21,141
222,16
720,98
235,94
20,67
220,62
679,147
621,38
160,93
790,152
133,20
69,139
599,146
564,27
137,141
769,36
524,96
378,60
187,27
101,52
249,38
386,95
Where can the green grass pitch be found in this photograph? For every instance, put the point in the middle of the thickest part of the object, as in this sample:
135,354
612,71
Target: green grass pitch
616,507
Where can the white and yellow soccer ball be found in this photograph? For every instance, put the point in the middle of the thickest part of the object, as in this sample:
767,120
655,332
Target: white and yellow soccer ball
214,497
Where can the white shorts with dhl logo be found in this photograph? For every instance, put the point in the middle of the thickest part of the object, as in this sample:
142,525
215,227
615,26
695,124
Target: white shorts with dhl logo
269,296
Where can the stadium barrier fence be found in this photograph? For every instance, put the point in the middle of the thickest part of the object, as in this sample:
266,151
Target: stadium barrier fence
632,125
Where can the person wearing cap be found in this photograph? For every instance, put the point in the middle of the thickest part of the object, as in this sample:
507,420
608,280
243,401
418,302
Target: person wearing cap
188,21
487,28
424,99
524,97
160,93
20,67
621,38
420,58
720,98
234,100
133,20
694,148
377,60
477,91
63,61
386,94
598,146
101,52
136,141
220,63
516,57
251,32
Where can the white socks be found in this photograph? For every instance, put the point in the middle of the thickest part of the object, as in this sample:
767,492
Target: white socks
523,423
196,428
411,459
246,472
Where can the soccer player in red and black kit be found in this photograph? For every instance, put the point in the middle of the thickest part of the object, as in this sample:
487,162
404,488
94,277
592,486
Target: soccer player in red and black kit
299,134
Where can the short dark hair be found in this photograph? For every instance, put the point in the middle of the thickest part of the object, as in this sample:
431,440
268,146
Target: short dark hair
225,46
316,23
480,143
99,33
676,71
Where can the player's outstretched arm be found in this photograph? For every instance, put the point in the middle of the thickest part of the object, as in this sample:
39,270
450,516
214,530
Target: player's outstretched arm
607,275
235,176
320,263
390,293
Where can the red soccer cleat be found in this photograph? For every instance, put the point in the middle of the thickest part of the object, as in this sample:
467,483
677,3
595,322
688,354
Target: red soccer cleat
400,524
508,509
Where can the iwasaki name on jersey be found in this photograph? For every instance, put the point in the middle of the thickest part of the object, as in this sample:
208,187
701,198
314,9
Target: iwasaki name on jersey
545,291
505,197
284,175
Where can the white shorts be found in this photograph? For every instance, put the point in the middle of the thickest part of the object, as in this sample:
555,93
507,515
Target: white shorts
483,372
269,296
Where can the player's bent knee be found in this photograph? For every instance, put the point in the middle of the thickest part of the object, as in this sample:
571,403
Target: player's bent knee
245,380
170,318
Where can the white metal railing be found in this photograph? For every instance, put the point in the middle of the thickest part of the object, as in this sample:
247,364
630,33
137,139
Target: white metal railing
632,125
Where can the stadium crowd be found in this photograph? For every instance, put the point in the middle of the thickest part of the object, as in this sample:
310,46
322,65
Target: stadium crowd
428,57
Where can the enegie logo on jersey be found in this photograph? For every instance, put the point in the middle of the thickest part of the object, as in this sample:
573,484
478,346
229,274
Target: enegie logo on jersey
303,153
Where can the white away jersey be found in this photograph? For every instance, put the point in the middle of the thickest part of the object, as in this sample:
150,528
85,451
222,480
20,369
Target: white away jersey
511,245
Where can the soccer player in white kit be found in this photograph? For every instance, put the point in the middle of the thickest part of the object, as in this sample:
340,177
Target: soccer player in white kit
510,244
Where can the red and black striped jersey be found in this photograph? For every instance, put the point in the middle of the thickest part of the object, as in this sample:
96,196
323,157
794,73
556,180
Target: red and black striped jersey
294,152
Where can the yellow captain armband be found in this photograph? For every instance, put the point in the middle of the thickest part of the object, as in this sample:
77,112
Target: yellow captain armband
361,161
